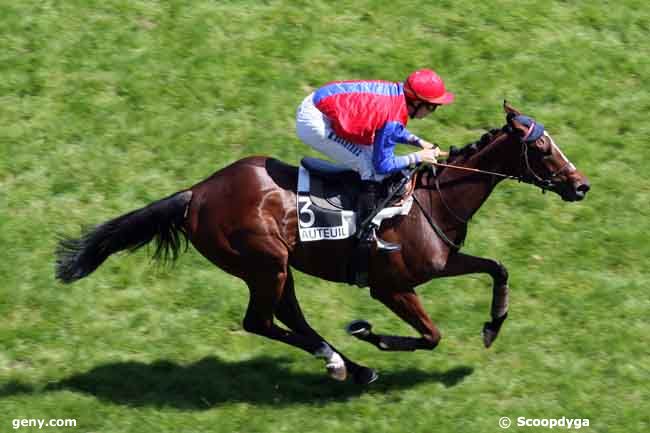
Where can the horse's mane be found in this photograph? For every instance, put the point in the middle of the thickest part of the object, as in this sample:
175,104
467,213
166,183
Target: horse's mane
457,154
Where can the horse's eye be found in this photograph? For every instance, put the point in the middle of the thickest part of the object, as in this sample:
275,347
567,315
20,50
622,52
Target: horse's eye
542,146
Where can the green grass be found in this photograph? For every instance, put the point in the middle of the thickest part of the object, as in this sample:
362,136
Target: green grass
107,106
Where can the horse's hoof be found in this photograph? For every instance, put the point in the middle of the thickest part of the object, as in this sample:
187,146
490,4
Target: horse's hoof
491,330
358,328
337,372
365,376
488,335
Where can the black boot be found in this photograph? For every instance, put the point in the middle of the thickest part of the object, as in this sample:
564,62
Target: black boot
366,205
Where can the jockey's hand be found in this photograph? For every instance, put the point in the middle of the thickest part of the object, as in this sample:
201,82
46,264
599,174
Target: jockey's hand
428,156
426,145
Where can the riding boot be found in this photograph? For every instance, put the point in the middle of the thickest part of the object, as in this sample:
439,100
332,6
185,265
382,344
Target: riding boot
366,205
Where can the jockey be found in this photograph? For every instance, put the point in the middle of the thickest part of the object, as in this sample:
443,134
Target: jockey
358,124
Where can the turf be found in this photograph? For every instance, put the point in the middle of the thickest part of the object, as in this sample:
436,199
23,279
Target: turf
107,106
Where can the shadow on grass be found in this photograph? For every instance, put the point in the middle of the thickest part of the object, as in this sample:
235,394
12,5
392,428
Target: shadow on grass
212,382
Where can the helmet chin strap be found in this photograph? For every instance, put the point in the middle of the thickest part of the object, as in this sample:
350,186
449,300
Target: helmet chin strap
416,108
411,109
411,100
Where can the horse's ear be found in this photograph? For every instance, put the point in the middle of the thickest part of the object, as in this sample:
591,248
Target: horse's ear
516,125
510,110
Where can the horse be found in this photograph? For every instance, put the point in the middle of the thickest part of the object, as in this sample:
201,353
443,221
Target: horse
244,220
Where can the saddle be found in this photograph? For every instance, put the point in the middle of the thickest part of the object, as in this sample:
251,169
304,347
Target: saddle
331,186
327,197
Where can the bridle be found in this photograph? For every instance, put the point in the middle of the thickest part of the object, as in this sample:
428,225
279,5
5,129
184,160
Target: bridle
529,175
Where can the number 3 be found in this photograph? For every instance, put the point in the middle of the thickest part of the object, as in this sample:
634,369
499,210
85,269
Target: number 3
304,210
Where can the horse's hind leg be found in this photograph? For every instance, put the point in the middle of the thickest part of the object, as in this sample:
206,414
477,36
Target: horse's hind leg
288,311
266,289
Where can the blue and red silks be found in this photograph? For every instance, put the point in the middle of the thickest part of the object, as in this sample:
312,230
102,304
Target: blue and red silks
369,112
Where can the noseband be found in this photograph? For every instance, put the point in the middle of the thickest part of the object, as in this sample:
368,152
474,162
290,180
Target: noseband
544,183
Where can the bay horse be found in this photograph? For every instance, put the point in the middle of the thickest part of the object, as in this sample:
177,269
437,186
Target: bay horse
243,219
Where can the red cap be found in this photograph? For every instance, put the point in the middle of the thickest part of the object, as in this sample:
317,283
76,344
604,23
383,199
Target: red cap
426,85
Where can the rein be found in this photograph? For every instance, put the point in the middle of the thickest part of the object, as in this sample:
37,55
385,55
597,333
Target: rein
435,226
475,170
444,202
441,234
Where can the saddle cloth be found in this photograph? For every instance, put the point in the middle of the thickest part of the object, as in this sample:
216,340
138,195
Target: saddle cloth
326,201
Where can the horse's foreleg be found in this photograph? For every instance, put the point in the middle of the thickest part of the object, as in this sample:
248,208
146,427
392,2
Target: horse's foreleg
406,304
289,312
462,264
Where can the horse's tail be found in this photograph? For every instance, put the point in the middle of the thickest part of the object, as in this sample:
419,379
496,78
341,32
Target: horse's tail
163,219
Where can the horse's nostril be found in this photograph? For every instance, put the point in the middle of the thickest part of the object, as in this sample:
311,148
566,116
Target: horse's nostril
583,188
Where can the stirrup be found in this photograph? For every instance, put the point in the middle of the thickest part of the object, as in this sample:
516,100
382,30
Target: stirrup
382,245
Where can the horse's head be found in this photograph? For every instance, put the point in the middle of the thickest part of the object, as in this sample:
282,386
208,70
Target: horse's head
542,162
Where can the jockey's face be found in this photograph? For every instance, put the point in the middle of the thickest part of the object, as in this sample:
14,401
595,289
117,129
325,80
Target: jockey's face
420,109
